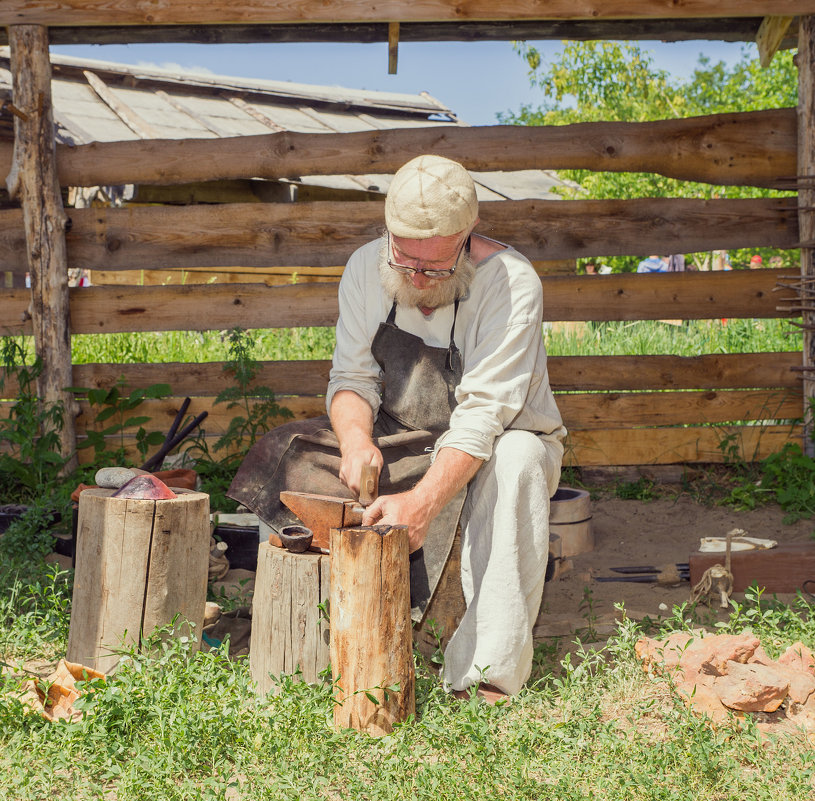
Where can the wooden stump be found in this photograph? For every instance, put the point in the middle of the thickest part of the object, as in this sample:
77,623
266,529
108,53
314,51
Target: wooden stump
289,629
371,643
139,564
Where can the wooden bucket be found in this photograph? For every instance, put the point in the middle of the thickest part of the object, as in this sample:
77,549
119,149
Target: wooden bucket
139,564
570,519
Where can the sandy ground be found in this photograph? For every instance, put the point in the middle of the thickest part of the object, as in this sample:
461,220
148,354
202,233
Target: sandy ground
657,532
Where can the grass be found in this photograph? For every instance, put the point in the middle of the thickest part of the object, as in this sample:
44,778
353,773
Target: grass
187,725
692,338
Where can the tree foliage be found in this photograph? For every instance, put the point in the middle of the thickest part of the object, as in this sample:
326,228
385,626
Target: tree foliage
618,81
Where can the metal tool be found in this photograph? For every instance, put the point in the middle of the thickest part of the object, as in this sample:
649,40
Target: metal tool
646,574
321,513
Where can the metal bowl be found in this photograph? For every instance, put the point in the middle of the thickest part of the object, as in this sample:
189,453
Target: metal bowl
296,539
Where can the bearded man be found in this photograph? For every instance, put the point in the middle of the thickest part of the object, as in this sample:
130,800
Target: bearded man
439,379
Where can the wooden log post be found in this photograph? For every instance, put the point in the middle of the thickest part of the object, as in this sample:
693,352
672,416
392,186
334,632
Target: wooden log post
371,634
289,626
34,177
139,564
806,211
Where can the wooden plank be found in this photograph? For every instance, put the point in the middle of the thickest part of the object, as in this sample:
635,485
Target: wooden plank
222,12
700,444
769,37
270,276
34,176
326,233
806,215
130,118
580,411
711,371
641,446
566,374
601,410
727,29
205,122
755,148
742,293
785,568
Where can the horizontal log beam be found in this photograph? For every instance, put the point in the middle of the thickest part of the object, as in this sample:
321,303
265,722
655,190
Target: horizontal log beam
756,148
666,30
222,12
674,445
326,233
595,412
99,310
566,374
639,446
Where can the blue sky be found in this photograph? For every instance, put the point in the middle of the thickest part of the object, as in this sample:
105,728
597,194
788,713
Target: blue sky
476,79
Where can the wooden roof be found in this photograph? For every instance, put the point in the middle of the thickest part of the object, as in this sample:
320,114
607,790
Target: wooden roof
107,21
99,101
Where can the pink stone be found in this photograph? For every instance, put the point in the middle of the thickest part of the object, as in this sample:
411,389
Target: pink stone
751,687
725,648
702,698
798,656
145,488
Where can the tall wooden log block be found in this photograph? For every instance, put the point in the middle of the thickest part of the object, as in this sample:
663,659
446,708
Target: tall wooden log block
289,629
139,564
371,642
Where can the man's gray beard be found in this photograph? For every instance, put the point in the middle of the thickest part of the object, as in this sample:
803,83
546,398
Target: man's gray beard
443,292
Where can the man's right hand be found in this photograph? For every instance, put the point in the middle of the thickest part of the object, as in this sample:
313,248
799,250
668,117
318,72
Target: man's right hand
355,454
352,420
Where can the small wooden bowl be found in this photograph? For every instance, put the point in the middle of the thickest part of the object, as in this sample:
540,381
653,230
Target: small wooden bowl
296,539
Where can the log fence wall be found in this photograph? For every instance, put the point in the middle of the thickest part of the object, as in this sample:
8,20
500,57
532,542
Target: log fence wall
620,410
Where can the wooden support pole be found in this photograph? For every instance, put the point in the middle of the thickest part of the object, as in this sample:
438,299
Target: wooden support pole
770,34
371,642
393,47
33,176
806,204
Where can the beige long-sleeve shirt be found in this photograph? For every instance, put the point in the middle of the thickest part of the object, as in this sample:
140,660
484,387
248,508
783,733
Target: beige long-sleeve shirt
498,331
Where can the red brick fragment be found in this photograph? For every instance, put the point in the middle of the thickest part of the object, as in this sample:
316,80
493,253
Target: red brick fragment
751,688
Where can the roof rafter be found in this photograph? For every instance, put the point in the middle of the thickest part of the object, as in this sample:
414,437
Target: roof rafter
266,12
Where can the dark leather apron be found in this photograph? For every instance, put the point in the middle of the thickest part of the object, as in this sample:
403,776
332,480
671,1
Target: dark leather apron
418,398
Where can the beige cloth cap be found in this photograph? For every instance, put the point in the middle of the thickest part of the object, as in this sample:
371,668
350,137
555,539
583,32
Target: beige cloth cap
430,196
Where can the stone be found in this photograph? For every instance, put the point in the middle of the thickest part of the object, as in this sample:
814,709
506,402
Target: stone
798,656
751,687
211,613
113,477
664,654
725,648
802,684
701,697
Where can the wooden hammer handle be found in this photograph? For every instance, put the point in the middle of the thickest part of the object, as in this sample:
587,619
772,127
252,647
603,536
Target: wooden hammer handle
368,484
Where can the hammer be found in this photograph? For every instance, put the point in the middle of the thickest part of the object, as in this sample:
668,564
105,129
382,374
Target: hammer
368,484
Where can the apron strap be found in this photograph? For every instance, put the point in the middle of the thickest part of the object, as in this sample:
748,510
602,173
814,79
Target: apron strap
391,319
452,350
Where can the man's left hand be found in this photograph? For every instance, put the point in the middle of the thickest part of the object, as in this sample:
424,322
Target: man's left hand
403,509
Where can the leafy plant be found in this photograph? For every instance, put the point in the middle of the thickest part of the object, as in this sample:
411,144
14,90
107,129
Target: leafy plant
259,409
30,459
643,489
258,412
114,404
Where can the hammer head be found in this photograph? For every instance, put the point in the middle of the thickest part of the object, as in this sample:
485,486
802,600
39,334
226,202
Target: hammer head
320,513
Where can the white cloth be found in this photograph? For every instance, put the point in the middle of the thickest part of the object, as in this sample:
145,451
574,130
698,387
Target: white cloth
498,331
504,549
505,386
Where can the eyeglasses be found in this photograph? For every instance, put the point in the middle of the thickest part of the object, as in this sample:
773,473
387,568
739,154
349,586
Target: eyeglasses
405,270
